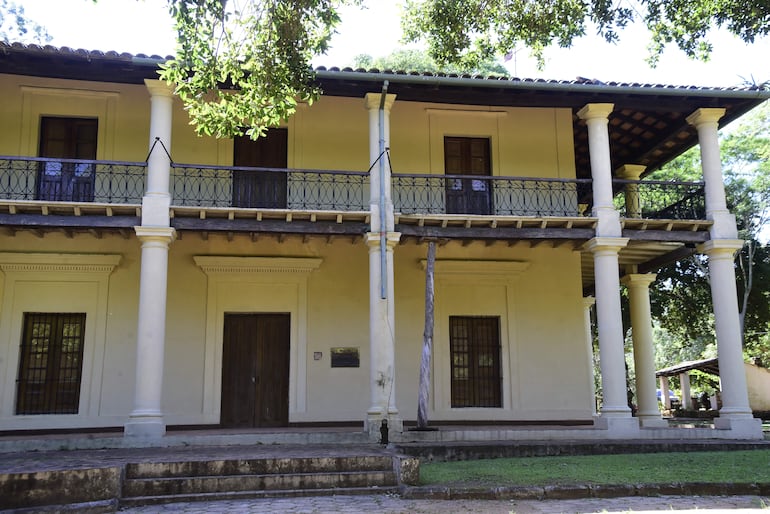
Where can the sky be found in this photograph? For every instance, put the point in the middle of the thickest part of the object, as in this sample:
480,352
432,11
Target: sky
144,26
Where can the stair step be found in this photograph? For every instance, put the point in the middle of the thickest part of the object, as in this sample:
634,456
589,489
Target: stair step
256,482
257,466
138,501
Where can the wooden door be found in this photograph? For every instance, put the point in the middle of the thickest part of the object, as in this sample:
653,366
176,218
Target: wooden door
265,189
67,138
468,156
255,370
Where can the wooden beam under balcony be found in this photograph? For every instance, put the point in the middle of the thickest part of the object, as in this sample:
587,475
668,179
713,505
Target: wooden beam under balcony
270,226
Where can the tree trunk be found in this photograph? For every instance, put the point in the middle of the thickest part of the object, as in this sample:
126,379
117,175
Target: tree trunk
427,341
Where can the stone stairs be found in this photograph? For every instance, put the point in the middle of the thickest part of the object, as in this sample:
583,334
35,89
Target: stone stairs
149,483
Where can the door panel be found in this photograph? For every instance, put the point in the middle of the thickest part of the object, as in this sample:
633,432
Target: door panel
265,189
468,156
67,138
255,370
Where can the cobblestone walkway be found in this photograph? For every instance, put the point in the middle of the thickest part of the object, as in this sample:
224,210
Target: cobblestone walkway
393,504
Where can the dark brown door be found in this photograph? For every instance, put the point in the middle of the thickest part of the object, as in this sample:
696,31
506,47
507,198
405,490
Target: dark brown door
468,156
265,189
67,138
255,370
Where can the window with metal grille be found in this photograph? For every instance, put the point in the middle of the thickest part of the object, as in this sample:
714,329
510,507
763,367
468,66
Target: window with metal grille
50,364
474,343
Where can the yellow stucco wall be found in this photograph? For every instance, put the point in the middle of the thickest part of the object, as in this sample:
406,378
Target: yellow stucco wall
758,383
545,366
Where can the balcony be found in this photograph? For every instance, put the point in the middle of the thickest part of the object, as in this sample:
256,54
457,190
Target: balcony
269,188
195,188
655,199
489,196
71,180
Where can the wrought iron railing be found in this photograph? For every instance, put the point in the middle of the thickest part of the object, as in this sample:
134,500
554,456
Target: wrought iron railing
75,180
655,199
271,188
71,180
466,194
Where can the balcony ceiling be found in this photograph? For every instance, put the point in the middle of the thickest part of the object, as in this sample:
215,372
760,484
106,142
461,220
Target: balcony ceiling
647,126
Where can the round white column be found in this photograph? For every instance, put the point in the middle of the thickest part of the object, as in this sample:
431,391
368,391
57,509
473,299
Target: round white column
644,359
157,198
706,122
146,419
732,372
373,107
596,118
633,199
609,319
382,356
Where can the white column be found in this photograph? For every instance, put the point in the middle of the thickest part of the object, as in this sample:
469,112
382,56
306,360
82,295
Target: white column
589,302
382,341
146,419
381,310
735,413
373,106
684,385
155,234
706,121
633,200
595,116
157,199
615,413
665,396
644,360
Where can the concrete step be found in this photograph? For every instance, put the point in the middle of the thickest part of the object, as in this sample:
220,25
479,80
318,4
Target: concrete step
149,483
270,482
249,495
227,467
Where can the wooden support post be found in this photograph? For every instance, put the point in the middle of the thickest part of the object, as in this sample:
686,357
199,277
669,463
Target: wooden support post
427,341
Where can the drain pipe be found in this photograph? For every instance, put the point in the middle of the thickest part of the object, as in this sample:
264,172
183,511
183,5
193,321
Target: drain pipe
383,227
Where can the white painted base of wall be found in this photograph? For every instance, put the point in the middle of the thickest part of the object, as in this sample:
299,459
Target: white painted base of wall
740,428
652,422
145,428
618,427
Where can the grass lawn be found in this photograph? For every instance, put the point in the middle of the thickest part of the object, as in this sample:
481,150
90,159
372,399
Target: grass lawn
730,466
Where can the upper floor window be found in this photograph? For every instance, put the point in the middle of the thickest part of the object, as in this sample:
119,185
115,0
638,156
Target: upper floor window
266,189
67,138
468,156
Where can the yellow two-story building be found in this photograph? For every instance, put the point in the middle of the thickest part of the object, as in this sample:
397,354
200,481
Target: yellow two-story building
150,277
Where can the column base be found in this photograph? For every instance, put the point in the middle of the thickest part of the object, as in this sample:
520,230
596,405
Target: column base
618,427
740,427
144,427
652,422
373,426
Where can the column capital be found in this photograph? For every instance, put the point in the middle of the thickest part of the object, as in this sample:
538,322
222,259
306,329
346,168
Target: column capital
373,239
588,302
630,171
159,87
158,234
705,115
638,279
373,101
715,247
595,111
604,244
